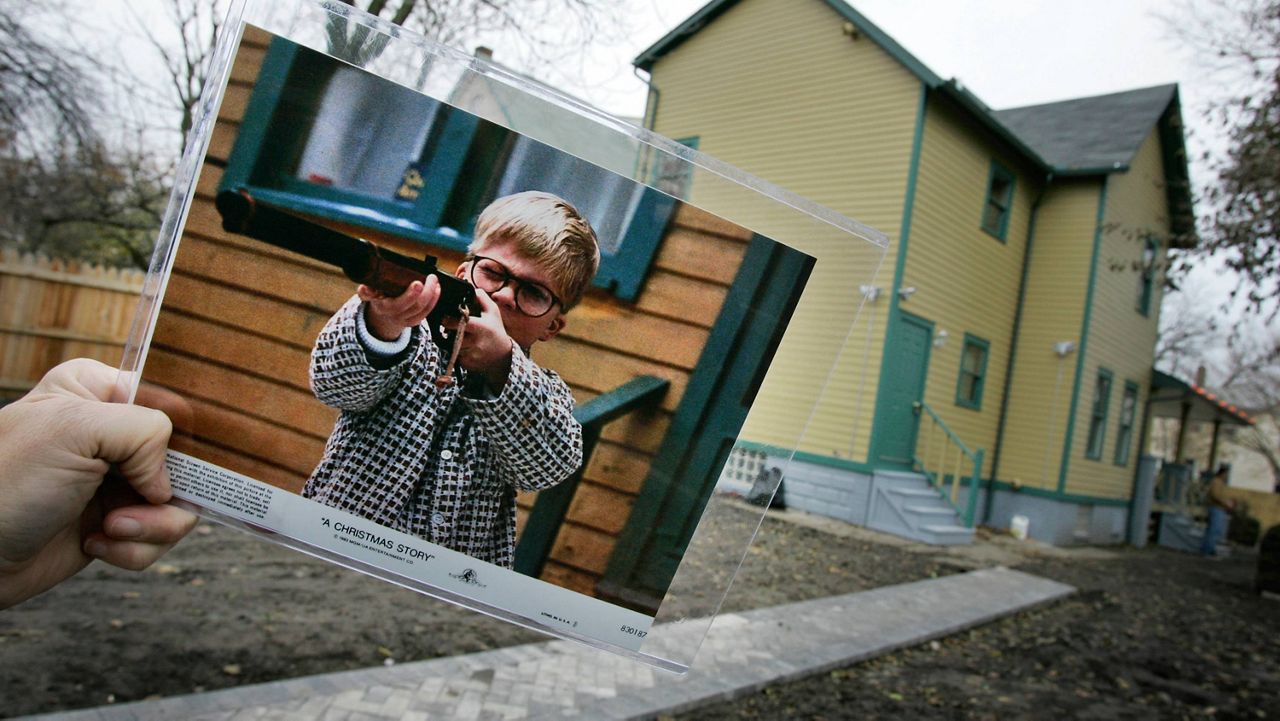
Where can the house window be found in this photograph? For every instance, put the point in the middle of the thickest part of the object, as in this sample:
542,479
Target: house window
1147,275
334,142
1098,418
973,372
996,209
1128,410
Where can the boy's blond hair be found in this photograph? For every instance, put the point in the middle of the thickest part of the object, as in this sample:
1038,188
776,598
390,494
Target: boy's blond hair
547,230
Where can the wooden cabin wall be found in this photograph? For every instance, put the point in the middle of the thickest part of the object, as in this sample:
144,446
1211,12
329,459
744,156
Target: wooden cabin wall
241,317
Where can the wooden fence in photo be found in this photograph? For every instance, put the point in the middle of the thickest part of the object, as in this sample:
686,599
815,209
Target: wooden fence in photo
52,311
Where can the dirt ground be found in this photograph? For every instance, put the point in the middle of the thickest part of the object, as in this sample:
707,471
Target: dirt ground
1152,634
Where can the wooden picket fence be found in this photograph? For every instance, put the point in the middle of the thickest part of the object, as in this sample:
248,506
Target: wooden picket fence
51,311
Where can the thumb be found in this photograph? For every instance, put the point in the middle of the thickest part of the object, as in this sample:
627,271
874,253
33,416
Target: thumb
134,438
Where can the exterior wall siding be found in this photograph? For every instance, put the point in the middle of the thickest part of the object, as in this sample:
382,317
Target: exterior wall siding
966,279
776,88
1040,392
1121,339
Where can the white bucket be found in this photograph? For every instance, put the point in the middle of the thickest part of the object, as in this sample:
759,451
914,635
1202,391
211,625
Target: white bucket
1018,526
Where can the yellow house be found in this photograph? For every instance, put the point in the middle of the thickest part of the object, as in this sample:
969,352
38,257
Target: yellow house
1010,333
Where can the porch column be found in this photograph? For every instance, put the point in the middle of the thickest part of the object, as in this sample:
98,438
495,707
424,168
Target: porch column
1213,445
1182,432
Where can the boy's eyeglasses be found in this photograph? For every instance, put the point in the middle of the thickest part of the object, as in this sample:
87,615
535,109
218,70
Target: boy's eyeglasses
532,299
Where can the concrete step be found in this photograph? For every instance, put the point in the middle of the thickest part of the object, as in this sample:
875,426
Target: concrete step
946,535
914,492
901,479
936,511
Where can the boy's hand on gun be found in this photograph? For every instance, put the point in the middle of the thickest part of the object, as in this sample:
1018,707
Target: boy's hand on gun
486,348
387,317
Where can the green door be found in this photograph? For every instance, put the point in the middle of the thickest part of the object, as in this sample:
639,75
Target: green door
901,387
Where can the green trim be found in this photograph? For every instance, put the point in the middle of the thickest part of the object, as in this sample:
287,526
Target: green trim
976,402
1016,336
1098,420
867,469
815,458
1124,433
1058,495
899,268
1000,229
258,114
1177,178
1082,350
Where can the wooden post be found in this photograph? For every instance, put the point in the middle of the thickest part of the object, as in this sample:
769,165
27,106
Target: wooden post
1182,432
1213,445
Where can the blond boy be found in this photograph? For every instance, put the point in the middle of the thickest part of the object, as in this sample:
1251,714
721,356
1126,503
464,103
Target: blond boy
444,462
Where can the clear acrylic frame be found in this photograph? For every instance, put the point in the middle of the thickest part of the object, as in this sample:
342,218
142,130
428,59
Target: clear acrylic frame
784,312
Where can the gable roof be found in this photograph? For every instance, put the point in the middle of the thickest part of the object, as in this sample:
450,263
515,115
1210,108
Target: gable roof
1084,136
1099,134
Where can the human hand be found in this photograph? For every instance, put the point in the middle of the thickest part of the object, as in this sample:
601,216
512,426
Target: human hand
57,511
387,317
486,347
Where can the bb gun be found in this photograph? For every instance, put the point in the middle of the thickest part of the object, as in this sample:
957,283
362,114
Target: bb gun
385,271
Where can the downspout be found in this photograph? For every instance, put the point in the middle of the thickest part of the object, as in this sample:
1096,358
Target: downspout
1013,348
650,119
651,99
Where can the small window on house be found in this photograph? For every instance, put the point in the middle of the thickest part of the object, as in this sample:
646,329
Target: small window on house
1147,275
995,212
1098,418
973,372
1128,410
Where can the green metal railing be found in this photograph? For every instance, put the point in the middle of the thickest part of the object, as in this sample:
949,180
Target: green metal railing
543,523
943,453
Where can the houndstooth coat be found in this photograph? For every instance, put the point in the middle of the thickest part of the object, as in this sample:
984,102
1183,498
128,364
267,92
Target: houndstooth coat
436,462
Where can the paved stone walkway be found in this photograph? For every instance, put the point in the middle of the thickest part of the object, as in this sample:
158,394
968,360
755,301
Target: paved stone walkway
742,653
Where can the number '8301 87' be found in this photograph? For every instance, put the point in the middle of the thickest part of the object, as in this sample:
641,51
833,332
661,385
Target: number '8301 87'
634,632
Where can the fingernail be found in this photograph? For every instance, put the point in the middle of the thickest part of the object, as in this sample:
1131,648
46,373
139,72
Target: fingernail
125,528
95,547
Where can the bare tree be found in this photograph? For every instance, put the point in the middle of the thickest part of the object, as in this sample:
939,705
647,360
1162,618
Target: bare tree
1238,41
46,93
64,190
184,48
1250,377
1188,330
538,33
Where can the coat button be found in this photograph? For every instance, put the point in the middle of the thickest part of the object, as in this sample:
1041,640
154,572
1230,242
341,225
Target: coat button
437,518
446,454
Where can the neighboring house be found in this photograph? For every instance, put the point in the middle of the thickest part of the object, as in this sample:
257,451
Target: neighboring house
1019,299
